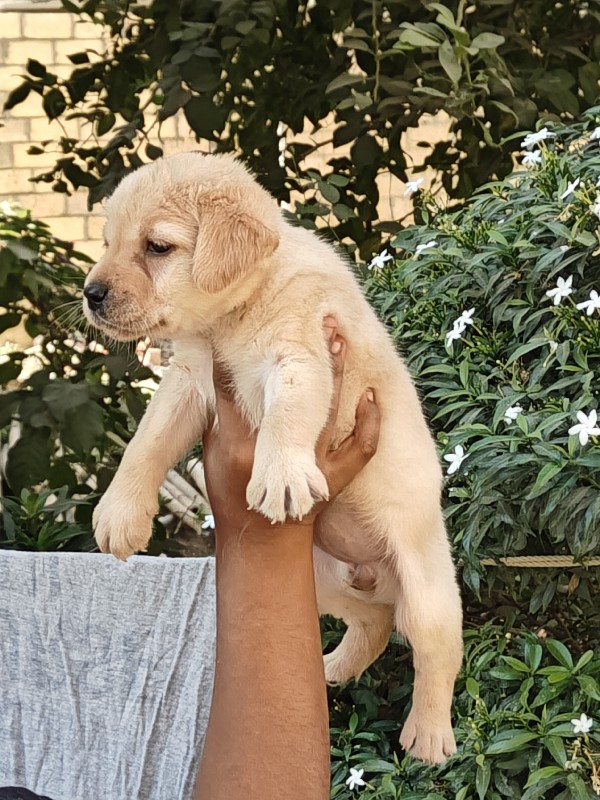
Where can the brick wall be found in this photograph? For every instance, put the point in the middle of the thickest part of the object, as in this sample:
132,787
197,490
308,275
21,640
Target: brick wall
49,37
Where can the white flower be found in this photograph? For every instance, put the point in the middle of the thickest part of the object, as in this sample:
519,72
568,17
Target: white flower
209,523
281,160
532,158
420,247
412,187
563,248
534,138
378,262
553,346
7,208
459,326
355,778
511,413
455,459
583,724
284,206
564,287
595,207
595,134
466,318
587,426
570,188
590,305
455,334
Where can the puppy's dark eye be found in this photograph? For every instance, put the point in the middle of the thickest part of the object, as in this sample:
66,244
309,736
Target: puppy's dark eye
157,248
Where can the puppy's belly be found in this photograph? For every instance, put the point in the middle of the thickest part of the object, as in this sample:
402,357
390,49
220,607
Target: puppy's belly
341,533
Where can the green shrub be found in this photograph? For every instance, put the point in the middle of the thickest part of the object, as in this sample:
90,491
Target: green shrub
508,389
514,703
526,486
44,520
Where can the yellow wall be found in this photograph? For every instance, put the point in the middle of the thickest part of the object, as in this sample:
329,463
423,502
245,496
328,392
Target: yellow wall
49,37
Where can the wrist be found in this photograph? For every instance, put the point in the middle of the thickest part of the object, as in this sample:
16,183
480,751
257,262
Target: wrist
253,527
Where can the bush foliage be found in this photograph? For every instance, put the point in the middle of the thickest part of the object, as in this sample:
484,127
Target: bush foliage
525,485
514,703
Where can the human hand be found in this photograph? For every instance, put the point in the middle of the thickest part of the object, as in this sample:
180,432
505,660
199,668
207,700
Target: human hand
229,446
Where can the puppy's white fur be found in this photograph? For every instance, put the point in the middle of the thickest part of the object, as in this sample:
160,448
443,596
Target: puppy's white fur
244,284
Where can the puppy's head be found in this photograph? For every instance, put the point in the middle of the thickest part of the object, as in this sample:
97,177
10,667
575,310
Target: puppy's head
183,235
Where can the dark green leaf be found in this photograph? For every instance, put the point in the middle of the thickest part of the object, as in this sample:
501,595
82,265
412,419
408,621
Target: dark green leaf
560,653
54,103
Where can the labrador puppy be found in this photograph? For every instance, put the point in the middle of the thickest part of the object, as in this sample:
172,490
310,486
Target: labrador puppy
198,252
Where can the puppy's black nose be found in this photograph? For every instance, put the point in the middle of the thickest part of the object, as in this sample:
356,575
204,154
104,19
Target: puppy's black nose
95,293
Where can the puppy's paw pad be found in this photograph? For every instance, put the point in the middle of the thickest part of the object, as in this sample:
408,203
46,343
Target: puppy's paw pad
431,743
286,487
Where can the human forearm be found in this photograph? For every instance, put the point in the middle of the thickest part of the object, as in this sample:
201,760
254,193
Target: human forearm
268,732
256,749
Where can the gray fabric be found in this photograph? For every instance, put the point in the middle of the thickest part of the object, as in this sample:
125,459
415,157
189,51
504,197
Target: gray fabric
106,673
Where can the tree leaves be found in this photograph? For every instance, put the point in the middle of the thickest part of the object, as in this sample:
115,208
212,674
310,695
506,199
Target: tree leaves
54,103
29,459
61,416
450,62
17,96
84,426
203,116
487,41
494,70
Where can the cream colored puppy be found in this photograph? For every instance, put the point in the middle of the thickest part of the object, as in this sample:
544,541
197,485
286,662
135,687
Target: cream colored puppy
199,253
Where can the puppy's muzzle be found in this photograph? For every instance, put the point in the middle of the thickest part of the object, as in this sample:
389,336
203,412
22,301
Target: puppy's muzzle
95,294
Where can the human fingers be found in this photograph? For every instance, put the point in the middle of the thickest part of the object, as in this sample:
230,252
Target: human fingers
329,326
337,348
354,453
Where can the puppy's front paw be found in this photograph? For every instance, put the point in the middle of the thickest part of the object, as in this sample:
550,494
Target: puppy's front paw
429,741
122,525
286,485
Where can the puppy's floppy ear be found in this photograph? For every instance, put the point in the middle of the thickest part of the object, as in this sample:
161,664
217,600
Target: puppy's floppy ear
230,242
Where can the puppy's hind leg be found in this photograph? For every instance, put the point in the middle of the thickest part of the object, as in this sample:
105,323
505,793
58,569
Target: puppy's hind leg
365,639
428,613
369,623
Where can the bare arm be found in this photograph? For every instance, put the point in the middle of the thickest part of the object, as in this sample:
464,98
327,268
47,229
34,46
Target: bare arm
268,736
